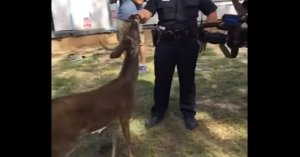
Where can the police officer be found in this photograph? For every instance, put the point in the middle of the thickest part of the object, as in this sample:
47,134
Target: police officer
176,46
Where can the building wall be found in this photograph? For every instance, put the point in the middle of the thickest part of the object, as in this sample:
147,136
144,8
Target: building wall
69,44
63,45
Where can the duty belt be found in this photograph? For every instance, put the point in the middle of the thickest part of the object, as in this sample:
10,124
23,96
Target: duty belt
177,34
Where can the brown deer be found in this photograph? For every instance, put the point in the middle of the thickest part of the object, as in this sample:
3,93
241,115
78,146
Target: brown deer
75,115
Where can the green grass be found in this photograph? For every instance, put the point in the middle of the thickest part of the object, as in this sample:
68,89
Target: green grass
221,105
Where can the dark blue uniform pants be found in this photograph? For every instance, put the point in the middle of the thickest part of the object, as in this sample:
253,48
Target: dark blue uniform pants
168,54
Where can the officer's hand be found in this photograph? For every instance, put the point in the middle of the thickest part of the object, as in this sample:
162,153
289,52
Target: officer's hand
135,16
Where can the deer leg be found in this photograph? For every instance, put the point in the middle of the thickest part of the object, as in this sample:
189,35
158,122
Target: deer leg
114,140
99,130
124,121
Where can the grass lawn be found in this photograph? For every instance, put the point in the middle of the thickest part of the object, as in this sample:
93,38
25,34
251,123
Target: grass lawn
221,105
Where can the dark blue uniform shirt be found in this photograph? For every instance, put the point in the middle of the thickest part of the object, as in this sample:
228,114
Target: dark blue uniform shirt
177,14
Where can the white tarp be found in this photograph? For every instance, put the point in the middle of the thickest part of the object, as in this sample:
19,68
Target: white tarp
60,14
79,14
114,14
94,12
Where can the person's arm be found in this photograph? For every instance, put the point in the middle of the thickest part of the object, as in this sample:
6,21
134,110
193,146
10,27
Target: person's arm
238,7
148,11
208,8
139,2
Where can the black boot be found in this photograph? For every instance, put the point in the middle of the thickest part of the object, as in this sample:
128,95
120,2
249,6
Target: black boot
154,120
190,123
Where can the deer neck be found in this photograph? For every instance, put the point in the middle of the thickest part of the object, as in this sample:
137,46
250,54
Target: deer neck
130,67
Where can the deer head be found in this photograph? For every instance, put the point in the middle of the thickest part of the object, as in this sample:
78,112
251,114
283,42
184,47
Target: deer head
130,43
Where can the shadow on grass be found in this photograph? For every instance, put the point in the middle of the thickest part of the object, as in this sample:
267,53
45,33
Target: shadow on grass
222,116
222,95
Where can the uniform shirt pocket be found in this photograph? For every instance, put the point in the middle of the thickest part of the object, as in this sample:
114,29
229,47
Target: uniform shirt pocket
192,7
166,9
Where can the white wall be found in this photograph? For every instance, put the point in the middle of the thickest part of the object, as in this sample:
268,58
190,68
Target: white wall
61,15
94,10
100,13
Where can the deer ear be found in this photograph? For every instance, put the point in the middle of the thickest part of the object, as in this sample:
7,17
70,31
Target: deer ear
133,43
129,38
117,52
